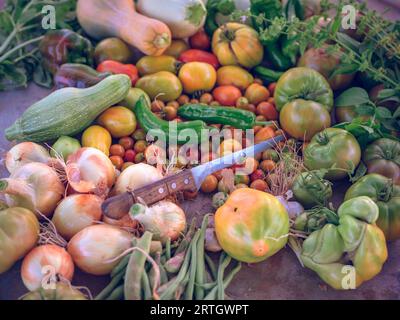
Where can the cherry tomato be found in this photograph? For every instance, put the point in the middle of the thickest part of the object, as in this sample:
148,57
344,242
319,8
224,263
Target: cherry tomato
194,55
259,185
257,93
173,104
209,184
117,161
157,106
271,88
227,95
139,134
264,134
126,142
242,103
117,150
170,113
183,99
130,155
267,165
267,110
200,40
258,174
140,146
139,157
206,98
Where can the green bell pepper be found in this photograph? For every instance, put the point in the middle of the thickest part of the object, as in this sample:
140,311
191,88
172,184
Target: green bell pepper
386,195
355,247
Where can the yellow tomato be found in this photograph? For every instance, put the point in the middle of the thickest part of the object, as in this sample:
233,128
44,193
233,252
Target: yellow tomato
97,137
119,121
197,76
229,146
235,76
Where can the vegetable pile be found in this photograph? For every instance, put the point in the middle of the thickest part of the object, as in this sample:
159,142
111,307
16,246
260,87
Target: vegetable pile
136,84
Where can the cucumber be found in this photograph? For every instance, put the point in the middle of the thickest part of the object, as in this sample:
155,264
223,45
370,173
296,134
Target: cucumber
68,111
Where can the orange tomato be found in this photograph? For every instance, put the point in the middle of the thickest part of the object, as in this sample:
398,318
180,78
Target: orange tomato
235,76
117,161
117,150
97,137
227,95
229,146
267,165
267,110
119,121
197,76
264,134
259,185
209,184
256,93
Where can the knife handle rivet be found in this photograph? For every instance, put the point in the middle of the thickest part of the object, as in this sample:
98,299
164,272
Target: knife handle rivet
173,186
161,190
186,181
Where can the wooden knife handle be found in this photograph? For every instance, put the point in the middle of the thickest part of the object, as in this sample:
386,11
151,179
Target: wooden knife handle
116,207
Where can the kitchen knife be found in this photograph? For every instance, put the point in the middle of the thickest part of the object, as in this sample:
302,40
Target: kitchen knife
186,180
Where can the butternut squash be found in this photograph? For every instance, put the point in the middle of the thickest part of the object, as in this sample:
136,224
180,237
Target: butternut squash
118,18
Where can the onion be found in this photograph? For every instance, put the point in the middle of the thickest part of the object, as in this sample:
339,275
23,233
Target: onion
164,219
75,213
44,263
34,186
90,171
136,176
125,222
26,152
293,208
93,248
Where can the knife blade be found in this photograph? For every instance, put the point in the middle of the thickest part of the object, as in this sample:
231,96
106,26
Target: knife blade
188,180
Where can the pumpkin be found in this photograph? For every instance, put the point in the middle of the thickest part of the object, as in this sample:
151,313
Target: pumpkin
19,232
251,225
118,18
237,44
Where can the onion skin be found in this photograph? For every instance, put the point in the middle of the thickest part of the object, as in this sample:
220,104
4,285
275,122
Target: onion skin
19,233
76,212
34,186
89,170
164,219
211,242
32,272
125,222
93,247
136,176
26,152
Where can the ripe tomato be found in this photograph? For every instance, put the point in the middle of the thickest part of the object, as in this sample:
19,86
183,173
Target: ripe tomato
130,156
126,142
259,185
267,110
209,184
227,95
196,76
256,93
200,40
117,150
117,161
264,134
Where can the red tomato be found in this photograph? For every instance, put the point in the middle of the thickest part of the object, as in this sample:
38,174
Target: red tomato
267,110
116,67
195,55
130,155
200,40
257,175
227,95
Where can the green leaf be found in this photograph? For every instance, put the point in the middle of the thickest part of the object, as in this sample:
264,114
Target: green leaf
350,42
396,114
42,77
6,22
352,97
365,110
11,76
344,69
383,113
386,93
360,172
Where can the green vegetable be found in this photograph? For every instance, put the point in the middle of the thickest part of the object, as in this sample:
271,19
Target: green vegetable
200,268
311,189
238,118
355,247
225,7
267,75
135,268
115,281
20,32
117,294
68,111
64,146
165,130
386,195
314,219
192,270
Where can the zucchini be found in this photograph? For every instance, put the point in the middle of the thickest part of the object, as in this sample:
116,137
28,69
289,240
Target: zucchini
68,111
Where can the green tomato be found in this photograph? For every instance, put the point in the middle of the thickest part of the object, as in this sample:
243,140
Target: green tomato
163,85
112,49
310,189
386,195
383,157
65,146
303,83
133,97
333,148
